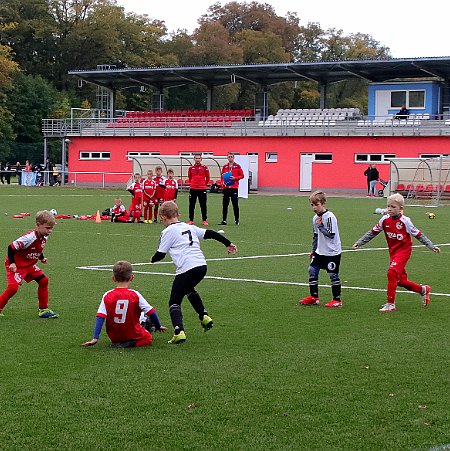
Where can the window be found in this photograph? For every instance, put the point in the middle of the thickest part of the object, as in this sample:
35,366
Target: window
411,99
323,157
434,155
373,158
398,99
416,99
271,157
141,154
191,154
95,155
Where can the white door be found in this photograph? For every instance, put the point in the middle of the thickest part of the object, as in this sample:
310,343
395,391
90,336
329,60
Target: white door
306,161
253,167
382,103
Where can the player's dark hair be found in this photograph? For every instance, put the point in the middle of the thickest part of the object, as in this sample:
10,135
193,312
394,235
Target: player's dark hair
122,271
170,170
169,210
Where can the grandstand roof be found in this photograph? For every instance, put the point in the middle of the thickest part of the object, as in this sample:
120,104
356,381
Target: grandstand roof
268,74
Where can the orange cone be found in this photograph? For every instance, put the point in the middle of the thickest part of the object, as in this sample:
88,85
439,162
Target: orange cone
98,220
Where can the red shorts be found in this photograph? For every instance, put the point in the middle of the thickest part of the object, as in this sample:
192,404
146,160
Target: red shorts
398,263
157,200
147,202
146,338
28,274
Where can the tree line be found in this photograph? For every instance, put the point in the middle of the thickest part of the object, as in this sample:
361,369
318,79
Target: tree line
41,40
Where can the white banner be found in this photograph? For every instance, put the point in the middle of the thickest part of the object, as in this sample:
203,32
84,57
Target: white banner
28,178
244,161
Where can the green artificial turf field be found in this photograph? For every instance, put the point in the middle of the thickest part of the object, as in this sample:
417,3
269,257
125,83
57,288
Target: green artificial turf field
269,375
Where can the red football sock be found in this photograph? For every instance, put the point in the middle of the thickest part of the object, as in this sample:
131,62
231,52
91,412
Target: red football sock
10,291
43,292
392,286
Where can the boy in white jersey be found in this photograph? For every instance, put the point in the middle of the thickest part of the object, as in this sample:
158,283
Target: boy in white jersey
398,230
326,252
182,241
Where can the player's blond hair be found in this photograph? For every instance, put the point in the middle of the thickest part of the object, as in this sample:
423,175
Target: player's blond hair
45,217
318,197
397,198
122,271
169,210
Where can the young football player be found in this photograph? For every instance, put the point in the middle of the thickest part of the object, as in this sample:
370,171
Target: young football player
149,189
136,191
326,252
170,187
182,241
121,308
398,230
23,254
118,211
158,198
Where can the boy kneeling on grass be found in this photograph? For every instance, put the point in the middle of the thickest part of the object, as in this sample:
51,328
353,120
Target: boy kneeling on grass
122,307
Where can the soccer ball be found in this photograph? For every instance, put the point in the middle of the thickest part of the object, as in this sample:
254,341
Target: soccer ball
431,215
53,212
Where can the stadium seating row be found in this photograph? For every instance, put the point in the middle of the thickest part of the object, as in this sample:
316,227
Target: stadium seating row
297,123
422,189
169,123
188,113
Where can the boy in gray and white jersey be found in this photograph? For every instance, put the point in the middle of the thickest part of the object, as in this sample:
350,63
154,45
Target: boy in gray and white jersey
182,241
326,252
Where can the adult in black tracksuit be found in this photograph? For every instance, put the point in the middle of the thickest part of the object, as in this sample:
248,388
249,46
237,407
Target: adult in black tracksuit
198,176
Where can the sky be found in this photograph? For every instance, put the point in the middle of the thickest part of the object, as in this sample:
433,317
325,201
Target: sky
409,28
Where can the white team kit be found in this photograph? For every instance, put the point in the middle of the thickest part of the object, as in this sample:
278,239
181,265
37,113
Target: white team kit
327,246
182,241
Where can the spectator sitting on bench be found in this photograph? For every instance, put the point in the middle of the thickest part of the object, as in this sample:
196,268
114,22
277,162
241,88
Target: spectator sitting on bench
402,114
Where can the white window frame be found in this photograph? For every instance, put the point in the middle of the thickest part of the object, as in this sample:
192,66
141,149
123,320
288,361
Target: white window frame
133,154
323,161
271,157
407,91
384,158
103,155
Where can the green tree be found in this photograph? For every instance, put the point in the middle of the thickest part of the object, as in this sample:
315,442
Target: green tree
261,47
30,99
7,70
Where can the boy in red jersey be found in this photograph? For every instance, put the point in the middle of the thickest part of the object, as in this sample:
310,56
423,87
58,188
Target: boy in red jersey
137,194
158,198
121,308
198,175
398,230
149,190
118,211
170,187
23,254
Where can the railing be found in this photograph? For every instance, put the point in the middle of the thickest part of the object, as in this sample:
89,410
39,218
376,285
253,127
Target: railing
420,125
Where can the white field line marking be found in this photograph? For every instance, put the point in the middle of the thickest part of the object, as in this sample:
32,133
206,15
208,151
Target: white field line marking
252,257
268,282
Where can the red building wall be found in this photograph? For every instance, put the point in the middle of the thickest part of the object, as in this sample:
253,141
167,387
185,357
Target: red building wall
342,173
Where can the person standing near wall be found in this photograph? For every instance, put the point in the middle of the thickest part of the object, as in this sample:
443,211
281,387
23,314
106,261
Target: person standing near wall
198,175
372,175
231,174
19,173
